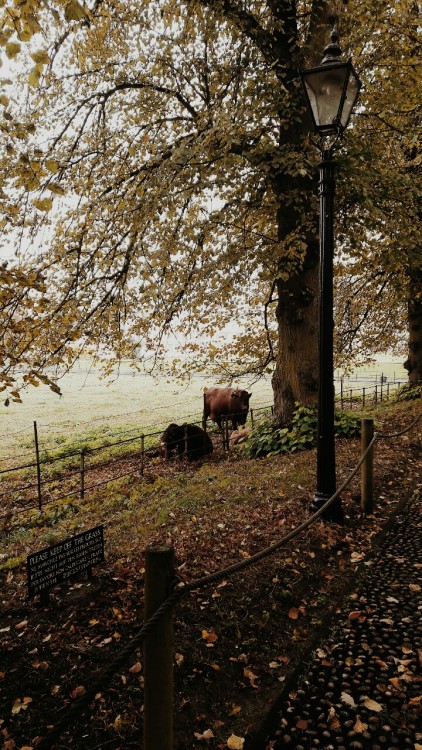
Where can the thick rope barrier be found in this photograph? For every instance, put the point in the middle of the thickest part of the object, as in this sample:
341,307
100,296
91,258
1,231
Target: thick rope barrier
106,675
183,588
236,567
402,432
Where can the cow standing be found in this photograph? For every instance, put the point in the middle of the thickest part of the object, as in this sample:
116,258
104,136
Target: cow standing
231,403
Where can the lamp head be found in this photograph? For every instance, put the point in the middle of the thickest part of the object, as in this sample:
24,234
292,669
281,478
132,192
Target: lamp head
331,90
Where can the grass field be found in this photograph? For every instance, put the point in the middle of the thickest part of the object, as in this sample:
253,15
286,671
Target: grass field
131,402
90,405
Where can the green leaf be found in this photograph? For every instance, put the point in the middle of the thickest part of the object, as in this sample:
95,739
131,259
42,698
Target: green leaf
12,49
74,11
40,57
43,204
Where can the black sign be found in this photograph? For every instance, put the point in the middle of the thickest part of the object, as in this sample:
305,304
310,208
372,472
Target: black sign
65,560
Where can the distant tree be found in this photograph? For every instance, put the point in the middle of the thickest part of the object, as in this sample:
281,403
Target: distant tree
162,182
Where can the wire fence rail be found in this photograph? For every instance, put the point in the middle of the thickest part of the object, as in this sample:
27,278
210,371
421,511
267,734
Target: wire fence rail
70,479
163,591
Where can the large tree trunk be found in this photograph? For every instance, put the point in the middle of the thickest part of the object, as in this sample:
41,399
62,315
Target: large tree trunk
413,363
296,374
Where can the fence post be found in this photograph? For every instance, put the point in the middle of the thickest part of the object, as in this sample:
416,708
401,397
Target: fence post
363,397
225,432
367,470
142,454
376,395
252,418
82,493
37,454
185,436
341,393
158,651
204,430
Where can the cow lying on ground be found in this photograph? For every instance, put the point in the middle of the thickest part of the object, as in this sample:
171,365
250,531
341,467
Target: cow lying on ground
239,436
226,402
187,438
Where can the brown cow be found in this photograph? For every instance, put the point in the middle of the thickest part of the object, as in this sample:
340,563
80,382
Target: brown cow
226,402
178,439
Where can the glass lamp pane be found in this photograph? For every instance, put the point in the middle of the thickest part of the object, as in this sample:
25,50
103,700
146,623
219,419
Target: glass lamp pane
324,87
352,91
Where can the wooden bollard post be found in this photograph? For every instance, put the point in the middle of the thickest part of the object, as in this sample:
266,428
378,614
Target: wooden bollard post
367,471
158,651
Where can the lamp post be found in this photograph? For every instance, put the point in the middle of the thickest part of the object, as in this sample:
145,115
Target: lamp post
331,91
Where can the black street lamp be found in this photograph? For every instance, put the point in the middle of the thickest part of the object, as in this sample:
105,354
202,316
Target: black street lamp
331,91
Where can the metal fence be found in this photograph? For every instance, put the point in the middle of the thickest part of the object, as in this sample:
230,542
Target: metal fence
42,479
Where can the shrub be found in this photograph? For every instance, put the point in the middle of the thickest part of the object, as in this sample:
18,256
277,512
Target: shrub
408,392
268,440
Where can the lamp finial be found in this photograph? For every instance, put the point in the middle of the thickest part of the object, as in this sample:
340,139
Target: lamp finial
332,51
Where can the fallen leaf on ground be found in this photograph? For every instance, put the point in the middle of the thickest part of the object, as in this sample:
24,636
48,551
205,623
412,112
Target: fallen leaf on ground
333,720
360,726
346,698
209,637
20,705
207,735
372,705
357,614
235,710
251,677
235,743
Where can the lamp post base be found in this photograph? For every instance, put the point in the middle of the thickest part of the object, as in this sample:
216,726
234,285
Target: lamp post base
333,513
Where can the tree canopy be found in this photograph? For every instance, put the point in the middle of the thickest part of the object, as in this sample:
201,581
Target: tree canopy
158,182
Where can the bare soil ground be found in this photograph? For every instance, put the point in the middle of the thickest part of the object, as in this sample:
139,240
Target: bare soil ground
237,643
